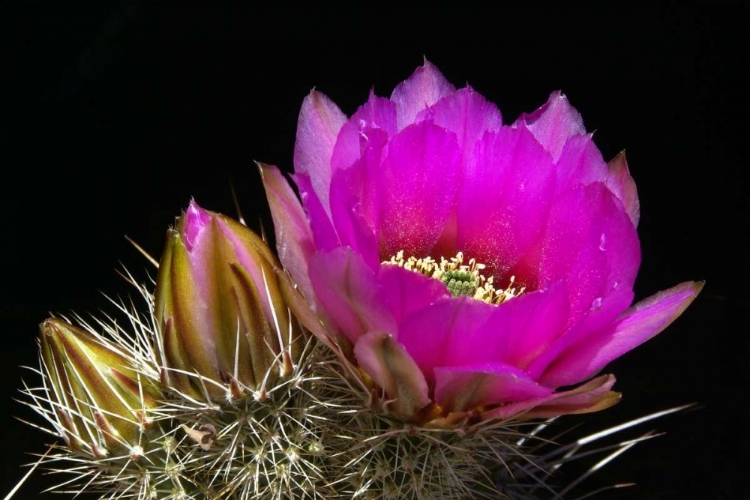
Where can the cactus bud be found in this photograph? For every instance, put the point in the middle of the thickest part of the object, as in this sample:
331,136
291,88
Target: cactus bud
224,328
99,400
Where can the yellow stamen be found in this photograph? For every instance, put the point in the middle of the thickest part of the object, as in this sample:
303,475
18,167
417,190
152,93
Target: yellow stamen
462,280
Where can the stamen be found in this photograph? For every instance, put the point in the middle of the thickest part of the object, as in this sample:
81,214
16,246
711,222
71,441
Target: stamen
462,280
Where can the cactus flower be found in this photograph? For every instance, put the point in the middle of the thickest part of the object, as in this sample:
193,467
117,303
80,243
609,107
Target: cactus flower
224,328
470,269
98,402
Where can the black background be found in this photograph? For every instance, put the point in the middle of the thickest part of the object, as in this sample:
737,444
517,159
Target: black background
117,114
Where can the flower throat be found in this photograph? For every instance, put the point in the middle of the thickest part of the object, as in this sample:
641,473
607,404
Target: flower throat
462,280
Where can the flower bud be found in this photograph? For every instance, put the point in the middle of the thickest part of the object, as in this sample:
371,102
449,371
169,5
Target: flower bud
224,328
99,401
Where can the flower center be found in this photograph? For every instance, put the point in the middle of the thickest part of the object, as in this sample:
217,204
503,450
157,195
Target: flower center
462,280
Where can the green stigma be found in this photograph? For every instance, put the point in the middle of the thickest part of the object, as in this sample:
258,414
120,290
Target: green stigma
460,283
462,280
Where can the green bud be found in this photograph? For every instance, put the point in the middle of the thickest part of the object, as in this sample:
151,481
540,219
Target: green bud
224,328
101,404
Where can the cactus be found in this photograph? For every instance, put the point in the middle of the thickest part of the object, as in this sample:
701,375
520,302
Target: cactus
251,405
445,288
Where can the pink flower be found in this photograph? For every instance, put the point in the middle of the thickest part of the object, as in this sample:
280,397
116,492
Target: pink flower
531,239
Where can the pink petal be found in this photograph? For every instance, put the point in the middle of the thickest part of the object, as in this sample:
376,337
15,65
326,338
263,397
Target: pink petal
417,188
354,230
467,387
317,129
422,89
405,292
640,323
354,202
590,243
427,334
301,309
601,316
621,183
465,113
594,395
553,124
324,235
504,199
513,333
523,327
464,332
580,162
246,258
192,283
346,287
195,220
391,368
294,240
378,113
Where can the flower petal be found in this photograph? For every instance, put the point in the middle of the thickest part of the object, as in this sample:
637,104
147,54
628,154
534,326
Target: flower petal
317,129
504,199
378,113
427,333
390,366
405,292
324,235
467,387
294,240
465,113
303,312
641,322
523,327
422,89
553,124
590,243
196,219
464,332
354,203
622,184
346,287
580,162
592,396
414,203
606,311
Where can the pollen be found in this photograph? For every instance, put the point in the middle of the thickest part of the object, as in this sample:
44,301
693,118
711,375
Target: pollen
461,279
